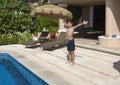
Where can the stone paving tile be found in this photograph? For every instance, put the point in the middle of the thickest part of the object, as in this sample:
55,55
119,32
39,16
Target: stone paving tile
91,42
97,76
92,67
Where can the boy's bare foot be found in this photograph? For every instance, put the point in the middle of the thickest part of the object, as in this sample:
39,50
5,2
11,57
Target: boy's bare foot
68,62
73,63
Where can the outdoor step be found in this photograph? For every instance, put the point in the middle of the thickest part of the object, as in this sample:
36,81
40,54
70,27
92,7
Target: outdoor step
103,61
93,64
98,48
63,74
43,72
88,74
80,71
58,63
99,55
98,62
42,69
79,52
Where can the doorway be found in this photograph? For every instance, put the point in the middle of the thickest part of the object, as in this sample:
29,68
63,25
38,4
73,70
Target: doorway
99,18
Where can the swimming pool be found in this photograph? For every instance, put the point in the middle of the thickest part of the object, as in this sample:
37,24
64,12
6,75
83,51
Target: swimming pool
14,73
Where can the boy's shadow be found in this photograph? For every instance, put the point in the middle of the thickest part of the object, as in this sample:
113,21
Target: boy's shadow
116,65
67,57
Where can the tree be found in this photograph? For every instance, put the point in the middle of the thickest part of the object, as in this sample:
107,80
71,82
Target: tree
14,16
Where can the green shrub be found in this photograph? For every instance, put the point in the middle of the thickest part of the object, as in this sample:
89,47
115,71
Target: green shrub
6,39
23,37
16,38
16,24
14,17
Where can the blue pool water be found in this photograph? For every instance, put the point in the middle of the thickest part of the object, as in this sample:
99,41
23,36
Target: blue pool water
14,73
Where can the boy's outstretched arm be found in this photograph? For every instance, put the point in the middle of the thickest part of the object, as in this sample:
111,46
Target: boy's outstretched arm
80,24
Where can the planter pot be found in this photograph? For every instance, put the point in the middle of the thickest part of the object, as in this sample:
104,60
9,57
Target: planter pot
52,35
109,42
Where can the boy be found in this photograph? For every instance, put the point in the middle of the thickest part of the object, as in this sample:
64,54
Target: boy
70,40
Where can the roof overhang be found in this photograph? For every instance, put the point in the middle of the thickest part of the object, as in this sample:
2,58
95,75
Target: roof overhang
78,2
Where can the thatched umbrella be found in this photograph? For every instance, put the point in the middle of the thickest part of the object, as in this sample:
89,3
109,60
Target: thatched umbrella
51,11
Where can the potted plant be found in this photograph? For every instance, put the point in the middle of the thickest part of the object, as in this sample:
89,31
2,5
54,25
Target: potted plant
53,31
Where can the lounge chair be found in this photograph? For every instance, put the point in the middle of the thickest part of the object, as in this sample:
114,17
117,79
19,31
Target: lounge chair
42,38
60,40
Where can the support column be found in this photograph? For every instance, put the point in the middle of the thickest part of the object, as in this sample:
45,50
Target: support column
61,24
112,17
112,25
86,13
91,15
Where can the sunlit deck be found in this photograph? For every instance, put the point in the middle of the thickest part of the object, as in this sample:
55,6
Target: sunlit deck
91,68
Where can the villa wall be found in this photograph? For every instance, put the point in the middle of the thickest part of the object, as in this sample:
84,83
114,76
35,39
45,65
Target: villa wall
112,13
112,25
78,2
86,13
112,17
61,24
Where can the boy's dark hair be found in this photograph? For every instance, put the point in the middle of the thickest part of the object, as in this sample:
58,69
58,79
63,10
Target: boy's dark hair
69,20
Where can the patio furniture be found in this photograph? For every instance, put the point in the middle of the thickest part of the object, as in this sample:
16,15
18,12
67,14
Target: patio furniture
42,38
59,41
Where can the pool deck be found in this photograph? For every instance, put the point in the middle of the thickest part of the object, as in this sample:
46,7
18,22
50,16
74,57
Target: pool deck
94,65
